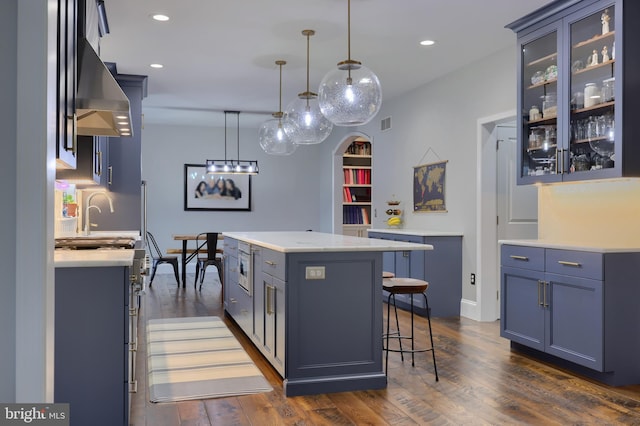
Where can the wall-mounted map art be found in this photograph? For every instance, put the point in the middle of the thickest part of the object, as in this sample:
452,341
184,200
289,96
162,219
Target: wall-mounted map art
428,187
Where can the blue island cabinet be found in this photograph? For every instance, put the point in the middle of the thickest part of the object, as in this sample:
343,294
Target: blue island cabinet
91,344
440,267
575,308
322,334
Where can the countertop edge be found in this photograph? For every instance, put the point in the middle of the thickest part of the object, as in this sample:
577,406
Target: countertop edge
93,258
354,243
422,233
569,246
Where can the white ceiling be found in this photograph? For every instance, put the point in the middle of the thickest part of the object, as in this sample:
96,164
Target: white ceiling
220,55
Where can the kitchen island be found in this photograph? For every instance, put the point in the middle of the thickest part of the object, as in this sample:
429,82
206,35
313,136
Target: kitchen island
312,304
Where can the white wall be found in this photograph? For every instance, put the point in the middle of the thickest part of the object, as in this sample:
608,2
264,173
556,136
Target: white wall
439,122
285,195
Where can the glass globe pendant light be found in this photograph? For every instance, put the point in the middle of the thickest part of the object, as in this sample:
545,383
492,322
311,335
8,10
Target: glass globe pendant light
273,139
303,121
351,94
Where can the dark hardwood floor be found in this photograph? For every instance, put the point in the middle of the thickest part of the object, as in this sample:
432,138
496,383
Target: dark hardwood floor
482,382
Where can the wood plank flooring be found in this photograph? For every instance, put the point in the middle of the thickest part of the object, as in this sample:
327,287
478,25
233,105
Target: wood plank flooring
482,382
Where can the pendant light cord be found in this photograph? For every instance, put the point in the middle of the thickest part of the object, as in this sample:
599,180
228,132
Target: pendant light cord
225,136
280,99
238,133
349,30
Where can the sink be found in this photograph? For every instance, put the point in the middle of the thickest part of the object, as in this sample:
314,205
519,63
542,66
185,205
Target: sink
91,242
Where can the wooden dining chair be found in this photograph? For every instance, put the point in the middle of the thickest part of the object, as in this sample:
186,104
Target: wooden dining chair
158,257
206,255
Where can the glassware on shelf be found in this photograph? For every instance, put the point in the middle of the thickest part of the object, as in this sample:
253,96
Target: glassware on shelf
592,95
577,100
534,113
537,77
549,105
608,89
551,72
602,141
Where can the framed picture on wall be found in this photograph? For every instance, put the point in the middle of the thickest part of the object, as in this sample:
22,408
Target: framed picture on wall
203,191
428,187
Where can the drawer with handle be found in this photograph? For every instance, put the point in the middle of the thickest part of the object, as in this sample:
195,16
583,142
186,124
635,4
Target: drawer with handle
575,263
522,257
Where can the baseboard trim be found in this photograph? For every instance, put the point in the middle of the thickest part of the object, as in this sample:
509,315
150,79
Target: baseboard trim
469,309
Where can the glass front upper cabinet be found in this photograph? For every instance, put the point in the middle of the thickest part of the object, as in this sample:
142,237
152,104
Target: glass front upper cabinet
576,64
592,81
540,105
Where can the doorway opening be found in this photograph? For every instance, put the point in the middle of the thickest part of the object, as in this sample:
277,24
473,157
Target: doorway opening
492,201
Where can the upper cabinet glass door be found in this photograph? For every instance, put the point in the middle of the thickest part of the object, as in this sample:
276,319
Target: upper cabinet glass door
539,98
592,132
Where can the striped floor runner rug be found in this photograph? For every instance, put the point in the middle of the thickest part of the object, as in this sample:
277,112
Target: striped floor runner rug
198,358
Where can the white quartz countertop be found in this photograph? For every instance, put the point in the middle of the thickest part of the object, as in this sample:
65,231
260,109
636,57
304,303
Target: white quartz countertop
93,258
418,232
594,247
293,241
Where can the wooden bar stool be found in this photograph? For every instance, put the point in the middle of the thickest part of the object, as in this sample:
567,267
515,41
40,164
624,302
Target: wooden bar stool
409,286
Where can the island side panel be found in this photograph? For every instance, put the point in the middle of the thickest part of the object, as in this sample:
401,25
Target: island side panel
334,324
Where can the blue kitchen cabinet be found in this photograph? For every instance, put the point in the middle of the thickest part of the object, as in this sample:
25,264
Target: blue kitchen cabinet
271,307
91,344
576,91
321,334
440,267
575,306
121,168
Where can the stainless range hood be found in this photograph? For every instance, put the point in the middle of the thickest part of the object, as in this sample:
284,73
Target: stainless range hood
102,108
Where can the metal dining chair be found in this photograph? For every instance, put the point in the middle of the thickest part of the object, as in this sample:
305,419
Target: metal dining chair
206,255
158,257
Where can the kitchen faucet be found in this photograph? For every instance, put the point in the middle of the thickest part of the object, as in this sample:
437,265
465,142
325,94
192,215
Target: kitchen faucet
87,222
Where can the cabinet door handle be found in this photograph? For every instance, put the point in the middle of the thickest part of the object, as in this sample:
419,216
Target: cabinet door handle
523,258
110,177
270,263
270,291
99,163
558,152
406,253
546,286
540,287
565,263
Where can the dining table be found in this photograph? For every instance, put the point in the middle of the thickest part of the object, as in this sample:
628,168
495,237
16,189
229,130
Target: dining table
187,253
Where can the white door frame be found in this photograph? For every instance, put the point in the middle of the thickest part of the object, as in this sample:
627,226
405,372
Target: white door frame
487,278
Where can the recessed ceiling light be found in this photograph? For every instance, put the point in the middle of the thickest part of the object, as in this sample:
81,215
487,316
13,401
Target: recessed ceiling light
427,42
156,66
160,17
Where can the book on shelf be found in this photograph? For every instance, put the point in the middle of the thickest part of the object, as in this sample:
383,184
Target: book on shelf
359,148
355,215
365,216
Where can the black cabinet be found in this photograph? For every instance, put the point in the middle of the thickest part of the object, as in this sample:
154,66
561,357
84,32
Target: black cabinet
67,48
576,92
